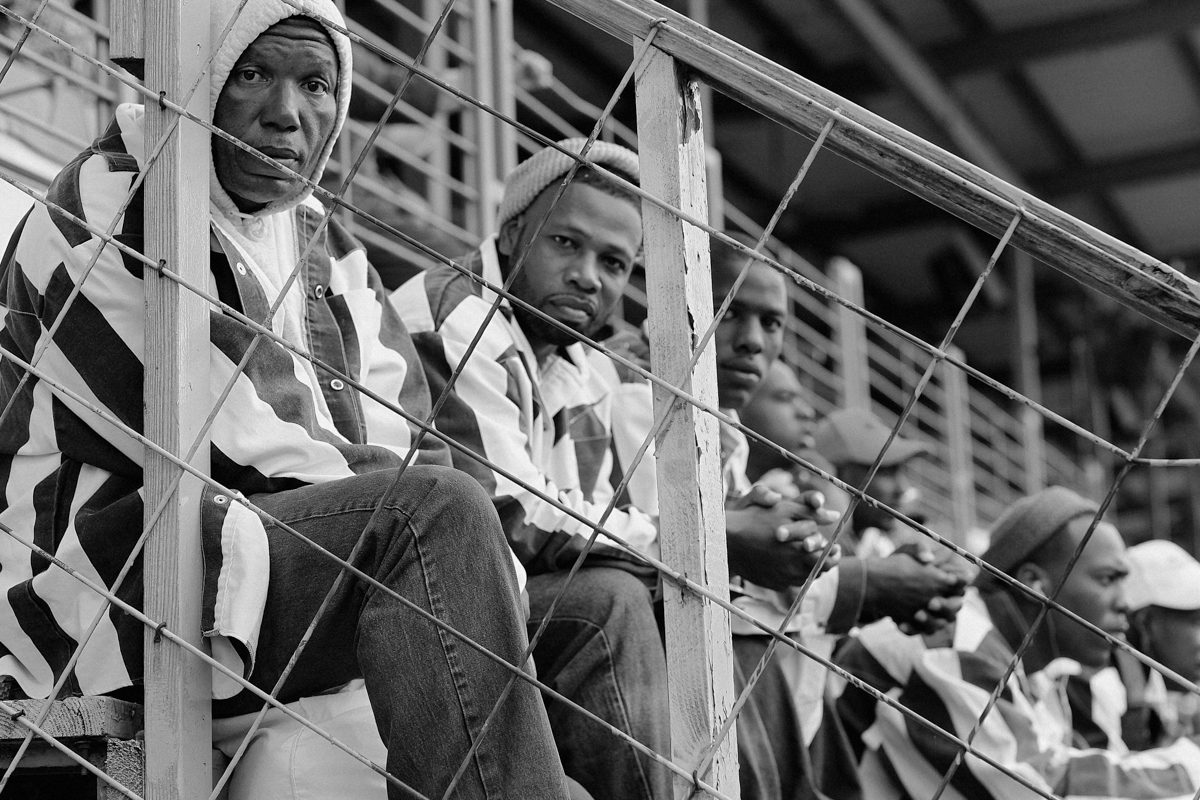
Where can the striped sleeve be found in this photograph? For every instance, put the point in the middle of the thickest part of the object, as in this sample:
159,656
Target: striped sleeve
491,411
950,687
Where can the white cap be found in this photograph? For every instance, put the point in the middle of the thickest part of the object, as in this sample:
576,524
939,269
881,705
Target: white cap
1162,574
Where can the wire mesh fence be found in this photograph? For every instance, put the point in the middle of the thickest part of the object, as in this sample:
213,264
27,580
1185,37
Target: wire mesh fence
421,185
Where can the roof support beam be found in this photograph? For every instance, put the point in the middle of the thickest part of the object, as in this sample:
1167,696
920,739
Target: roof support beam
989,52
1021,45
933,95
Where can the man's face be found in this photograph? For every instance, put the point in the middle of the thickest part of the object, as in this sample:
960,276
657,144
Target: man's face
279,99
1173,638
577,267
1095,591
888,485
750,335
779,411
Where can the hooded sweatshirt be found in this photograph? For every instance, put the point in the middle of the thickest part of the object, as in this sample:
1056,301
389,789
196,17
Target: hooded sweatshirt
72,481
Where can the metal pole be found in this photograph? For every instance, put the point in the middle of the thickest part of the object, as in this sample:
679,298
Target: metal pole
958,438
851,336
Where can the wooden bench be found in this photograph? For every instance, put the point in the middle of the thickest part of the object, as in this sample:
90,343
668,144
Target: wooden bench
103,730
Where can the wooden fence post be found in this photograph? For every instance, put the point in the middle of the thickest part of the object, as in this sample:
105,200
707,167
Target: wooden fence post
125,30
178,686
691,500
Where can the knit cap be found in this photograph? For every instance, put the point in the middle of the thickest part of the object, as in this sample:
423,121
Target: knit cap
534,174
1030,522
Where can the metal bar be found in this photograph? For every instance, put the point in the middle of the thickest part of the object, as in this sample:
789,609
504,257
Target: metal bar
947,181
505,46
482,166
851,336
959,443
1026,367
178,687
692,516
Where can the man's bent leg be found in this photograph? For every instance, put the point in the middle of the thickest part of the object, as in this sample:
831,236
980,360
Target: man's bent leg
436,542
770,765
602,650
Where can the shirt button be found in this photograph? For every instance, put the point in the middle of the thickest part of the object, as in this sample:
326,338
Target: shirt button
319,291
336,385
220,499
241,268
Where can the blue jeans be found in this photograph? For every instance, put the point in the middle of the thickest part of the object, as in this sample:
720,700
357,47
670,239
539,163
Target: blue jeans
437,542
602,650
773,764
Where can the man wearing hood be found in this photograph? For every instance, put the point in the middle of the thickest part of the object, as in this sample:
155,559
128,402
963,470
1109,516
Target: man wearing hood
1030,730
296,441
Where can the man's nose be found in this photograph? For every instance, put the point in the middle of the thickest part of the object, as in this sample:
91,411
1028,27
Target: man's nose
282,108
1120,604
750,337
585,272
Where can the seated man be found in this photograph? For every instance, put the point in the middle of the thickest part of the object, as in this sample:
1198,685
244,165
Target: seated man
297,443
851,439
1163,593
785,747
532,403
1029,731
779,413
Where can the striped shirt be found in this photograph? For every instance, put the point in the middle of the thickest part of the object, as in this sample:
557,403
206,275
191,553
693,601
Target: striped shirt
1029,731
546,427
73,482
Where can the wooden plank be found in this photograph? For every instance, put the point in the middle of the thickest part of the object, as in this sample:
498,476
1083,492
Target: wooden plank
691,500
178,686
1052,236
125,45
77,716
124,761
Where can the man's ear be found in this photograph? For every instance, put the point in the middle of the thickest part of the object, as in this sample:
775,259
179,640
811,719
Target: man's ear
1035,577
510,234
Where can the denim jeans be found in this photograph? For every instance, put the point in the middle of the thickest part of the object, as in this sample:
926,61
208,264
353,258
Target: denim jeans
438,543
601,649
773,761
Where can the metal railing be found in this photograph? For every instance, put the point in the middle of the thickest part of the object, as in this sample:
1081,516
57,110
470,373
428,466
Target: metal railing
672,55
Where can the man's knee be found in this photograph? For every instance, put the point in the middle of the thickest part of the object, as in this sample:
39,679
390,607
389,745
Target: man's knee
609,599
456,510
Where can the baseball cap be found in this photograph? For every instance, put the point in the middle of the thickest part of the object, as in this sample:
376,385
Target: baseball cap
853,436
1162,574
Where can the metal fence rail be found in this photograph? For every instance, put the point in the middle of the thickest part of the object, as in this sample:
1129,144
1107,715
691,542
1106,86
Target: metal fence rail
924,386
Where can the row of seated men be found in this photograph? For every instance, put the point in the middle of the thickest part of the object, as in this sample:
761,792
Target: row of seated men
461,540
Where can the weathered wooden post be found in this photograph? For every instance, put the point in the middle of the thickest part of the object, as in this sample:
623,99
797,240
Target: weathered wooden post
178,686
691,500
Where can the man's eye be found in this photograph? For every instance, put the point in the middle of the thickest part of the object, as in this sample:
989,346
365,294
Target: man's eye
772,324
616,266
562,241
316,86
248,75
